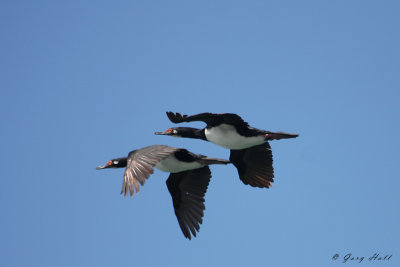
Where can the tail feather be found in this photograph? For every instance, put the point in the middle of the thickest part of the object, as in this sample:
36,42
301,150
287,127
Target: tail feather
209,161
279,135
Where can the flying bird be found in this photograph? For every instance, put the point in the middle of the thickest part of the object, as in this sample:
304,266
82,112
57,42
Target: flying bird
250,151
187,183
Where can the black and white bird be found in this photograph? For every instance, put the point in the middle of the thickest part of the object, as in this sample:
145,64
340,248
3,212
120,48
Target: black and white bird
250,151
187,183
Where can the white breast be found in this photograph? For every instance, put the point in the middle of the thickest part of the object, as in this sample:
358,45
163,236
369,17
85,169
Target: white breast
171,164
226,136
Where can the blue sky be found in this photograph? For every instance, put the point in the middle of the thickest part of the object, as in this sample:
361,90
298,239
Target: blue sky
84,82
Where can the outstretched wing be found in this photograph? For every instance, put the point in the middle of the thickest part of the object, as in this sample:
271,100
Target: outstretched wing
254,165
140,165
188,189
211,119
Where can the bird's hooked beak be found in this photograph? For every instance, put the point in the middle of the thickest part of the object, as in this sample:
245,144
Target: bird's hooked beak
167,132
108,165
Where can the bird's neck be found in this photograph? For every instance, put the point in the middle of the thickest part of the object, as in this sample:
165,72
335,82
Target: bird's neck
193,133
122,162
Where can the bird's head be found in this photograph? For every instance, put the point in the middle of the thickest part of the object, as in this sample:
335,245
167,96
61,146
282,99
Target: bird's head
114,163
176,131
187,132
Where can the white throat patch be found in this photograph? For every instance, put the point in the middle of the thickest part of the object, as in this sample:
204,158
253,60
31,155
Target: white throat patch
171,164
226,136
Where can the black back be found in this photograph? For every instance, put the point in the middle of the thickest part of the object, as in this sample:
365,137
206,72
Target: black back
213,120
187,156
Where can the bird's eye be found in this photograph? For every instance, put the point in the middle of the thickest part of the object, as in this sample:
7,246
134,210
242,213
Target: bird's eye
174,131
115,162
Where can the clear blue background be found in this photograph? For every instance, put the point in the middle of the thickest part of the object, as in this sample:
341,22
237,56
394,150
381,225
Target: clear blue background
82,82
